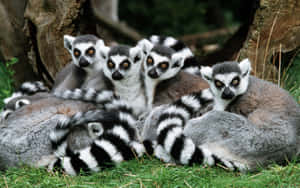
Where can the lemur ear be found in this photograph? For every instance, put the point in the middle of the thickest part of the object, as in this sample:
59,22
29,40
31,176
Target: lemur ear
136,54
103,51
145,45
177,60
99,44
245,66
206,73
68,42
95,129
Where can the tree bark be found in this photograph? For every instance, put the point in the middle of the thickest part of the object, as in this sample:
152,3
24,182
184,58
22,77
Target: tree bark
275,29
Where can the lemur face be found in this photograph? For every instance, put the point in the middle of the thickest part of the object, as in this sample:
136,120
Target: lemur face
121,62
161,62
229,79
161,67
83,50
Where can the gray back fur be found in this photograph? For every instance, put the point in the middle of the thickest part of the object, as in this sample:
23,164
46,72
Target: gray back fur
233,136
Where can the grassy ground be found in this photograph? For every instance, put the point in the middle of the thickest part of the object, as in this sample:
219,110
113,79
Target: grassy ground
153,173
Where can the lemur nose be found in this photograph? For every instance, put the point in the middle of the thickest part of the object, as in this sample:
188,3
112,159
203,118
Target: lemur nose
153,73
117,75
83,62
227,94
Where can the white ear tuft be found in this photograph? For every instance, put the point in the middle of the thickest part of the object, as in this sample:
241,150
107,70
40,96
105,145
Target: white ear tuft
146,45
206,73
245,66
99,43
136,54
177,60
68,42
103,51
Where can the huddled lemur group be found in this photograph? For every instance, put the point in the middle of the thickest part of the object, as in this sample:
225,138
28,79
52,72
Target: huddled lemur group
255,122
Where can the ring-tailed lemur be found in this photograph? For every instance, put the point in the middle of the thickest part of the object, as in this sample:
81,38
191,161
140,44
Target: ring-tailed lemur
20,97
267,117
160,63
191,64
123,68
114,135
86,64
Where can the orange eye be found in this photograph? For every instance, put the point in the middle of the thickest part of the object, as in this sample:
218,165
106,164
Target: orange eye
91,51
110,64
125,65
163,65
76,53
149,61
218,84
235,82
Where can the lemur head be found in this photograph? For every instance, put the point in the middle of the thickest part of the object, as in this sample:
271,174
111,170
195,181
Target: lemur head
161,62
83,50
229,79
121,62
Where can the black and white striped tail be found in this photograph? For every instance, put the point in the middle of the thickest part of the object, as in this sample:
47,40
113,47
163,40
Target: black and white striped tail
27,88
106,151
118,121
30,88
105,98
170,128
191,64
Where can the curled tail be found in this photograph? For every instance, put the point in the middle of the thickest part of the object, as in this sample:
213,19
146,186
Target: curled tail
170,128
106,151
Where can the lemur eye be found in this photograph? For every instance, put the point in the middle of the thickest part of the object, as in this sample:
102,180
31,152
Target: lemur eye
90,51
149,61
164,65
125,65
235,81
110,64
76,53
219,84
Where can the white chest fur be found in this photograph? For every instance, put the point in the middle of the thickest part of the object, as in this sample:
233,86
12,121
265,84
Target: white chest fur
132,92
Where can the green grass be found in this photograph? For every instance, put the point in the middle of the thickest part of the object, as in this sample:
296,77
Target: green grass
153,173
6,82
291,78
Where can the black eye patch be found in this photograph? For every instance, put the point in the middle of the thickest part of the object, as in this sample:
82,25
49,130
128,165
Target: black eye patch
110,64
235,82
219,84
163,65
76,52
125,65
136,59
149,61
90,52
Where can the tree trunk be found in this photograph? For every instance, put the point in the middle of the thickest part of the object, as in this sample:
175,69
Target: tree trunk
34,32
